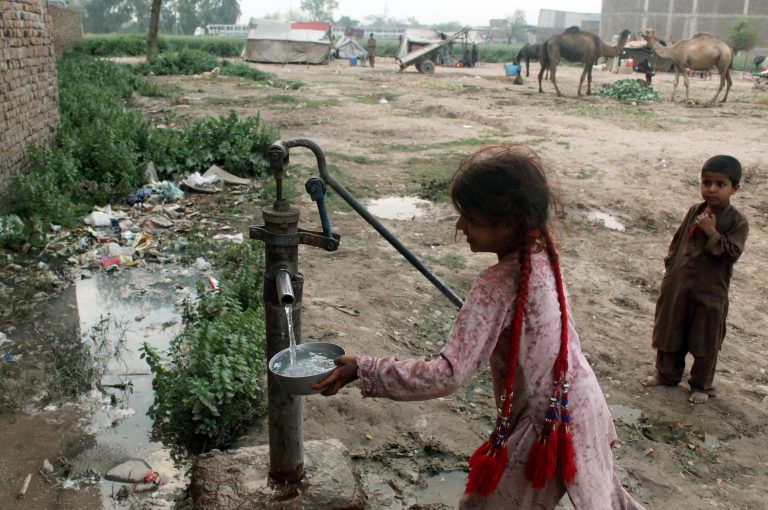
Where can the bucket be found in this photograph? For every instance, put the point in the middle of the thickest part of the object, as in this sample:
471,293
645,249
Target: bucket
630,62
511,69
353,60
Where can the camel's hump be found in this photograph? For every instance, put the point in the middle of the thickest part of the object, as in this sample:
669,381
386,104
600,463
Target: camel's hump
702,35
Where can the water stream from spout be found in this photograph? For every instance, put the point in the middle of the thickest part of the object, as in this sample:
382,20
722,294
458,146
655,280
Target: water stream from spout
291,334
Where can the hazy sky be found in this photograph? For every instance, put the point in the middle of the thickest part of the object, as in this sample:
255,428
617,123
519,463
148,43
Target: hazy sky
427,12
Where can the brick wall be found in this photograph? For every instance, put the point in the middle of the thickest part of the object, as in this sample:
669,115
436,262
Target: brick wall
681,19
29,98
67,28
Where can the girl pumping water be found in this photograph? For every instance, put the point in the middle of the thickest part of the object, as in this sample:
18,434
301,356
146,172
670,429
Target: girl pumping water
553,432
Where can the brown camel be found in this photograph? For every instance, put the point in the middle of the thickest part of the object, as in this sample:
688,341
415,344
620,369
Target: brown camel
577,45
699,53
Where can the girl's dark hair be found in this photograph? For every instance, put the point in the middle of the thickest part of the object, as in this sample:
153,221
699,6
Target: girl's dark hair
504,184
727,165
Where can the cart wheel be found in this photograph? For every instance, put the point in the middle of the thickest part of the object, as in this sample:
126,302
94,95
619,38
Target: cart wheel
427,67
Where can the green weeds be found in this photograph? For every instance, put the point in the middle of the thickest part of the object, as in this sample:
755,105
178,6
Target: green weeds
209,387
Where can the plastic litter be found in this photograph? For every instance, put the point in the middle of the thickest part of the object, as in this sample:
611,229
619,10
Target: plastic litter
140,195
99,219
122,260
235,238
172,192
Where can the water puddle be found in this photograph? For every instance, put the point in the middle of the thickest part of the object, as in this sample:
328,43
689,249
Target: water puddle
606,219
626,414
399,208
446,488
443,488
140,306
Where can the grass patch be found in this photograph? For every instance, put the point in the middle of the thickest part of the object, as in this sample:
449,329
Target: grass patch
357,159
585,109
223,101
453,262
358,188
583,173
376,98
417,147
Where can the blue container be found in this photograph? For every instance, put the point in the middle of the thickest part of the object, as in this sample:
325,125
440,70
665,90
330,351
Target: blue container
353,60
512,69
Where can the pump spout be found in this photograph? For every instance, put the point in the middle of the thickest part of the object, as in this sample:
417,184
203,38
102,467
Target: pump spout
284,288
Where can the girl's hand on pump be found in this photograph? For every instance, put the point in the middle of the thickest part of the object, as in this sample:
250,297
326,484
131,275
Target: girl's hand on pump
345,373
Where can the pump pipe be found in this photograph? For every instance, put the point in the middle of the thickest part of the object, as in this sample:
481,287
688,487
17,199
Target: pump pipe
284,145
284,288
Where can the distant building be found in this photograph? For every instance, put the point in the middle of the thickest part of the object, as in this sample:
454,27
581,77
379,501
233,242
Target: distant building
681,19
554,22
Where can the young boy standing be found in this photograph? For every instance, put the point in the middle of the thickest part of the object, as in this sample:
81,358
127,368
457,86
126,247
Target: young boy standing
693,298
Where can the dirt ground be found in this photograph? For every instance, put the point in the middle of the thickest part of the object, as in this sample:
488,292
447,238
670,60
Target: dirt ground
626,174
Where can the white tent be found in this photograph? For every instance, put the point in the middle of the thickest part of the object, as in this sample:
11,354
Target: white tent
288,43
349,47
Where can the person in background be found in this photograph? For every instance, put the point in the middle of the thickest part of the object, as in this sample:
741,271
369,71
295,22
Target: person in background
474,55
553,431
371,50
693,297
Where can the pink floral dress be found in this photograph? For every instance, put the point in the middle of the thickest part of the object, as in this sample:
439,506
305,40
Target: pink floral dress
480,335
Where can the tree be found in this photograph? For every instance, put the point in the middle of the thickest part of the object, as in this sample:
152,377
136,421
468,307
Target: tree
346,21
319,10
742,37
515,25
154,25
106,16
448,26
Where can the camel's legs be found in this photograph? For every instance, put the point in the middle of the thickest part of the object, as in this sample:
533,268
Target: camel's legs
723,78
541,73
674,86
581,80
589,80
527,66
686,82
728,84
553,79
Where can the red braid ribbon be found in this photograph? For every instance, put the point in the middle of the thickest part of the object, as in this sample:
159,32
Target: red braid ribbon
552,452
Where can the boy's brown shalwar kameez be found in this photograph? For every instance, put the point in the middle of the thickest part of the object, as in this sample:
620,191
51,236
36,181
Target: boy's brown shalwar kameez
693,298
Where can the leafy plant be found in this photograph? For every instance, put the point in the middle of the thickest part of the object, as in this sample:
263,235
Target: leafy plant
209,388
628,90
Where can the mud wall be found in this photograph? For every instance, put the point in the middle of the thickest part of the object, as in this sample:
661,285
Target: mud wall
67,29
29,99
681,19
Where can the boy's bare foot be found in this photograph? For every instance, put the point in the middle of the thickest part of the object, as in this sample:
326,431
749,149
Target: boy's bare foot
651,380
698,397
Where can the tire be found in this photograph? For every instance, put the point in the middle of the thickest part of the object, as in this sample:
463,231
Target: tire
427,67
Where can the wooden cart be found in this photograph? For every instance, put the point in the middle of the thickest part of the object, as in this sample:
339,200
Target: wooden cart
424,58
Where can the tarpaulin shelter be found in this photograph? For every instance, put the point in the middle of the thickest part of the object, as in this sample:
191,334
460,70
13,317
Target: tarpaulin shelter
288,43
349,47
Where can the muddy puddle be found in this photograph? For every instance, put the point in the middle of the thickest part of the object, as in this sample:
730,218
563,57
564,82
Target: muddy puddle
606,220
144,306
97,432
406,208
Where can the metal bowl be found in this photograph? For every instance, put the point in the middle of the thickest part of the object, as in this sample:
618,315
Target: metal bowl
298,384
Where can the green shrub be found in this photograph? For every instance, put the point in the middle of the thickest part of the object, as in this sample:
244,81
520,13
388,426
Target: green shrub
181,62
628,90
210,387
44,194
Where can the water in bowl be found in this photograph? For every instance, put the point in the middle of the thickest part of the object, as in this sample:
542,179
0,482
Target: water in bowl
306,363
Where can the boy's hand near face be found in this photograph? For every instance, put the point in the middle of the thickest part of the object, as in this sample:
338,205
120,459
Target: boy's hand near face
706,222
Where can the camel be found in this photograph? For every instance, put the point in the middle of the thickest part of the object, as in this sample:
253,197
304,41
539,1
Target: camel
577,45
698,53
528,52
